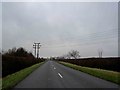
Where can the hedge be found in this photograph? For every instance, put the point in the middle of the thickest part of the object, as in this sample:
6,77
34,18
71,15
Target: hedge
12,64
102,63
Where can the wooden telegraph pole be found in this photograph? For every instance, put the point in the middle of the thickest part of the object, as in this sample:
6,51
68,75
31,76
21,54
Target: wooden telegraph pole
36,46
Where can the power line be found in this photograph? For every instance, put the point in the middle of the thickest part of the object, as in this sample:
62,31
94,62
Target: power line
93,36
75,45
81,43
82,40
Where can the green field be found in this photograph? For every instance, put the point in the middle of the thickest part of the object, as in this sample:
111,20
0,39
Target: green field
10,81
104,74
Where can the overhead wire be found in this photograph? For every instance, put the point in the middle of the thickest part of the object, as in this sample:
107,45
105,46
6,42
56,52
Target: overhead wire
79,44
90,37
94,34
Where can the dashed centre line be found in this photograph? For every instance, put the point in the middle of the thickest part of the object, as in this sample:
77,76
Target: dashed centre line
54,68
60,75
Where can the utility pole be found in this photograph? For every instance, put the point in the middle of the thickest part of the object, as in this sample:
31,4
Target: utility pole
100,53
37,47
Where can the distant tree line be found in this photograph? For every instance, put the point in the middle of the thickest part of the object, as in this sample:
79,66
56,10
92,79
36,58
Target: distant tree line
73,54
20,52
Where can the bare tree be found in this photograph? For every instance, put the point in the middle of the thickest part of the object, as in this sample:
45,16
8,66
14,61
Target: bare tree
74,53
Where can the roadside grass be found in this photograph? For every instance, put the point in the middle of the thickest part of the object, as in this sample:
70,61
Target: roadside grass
0,83
103,74
10,81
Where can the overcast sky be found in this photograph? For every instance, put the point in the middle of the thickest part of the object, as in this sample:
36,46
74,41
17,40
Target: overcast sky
60,27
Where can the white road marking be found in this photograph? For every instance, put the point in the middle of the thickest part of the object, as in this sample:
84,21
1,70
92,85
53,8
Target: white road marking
54,68
60,75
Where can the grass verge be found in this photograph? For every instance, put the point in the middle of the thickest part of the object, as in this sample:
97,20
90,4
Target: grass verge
104,74
10,81
0,83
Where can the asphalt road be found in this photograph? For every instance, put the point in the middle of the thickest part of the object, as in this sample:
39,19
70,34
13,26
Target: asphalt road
54,75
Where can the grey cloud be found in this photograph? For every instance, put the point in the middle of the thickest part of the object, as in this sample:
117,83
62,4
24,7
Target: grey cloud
0,26
56,24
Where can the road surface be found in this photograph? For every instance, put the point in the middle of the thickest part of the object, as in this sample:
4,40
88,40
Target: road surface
54,75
